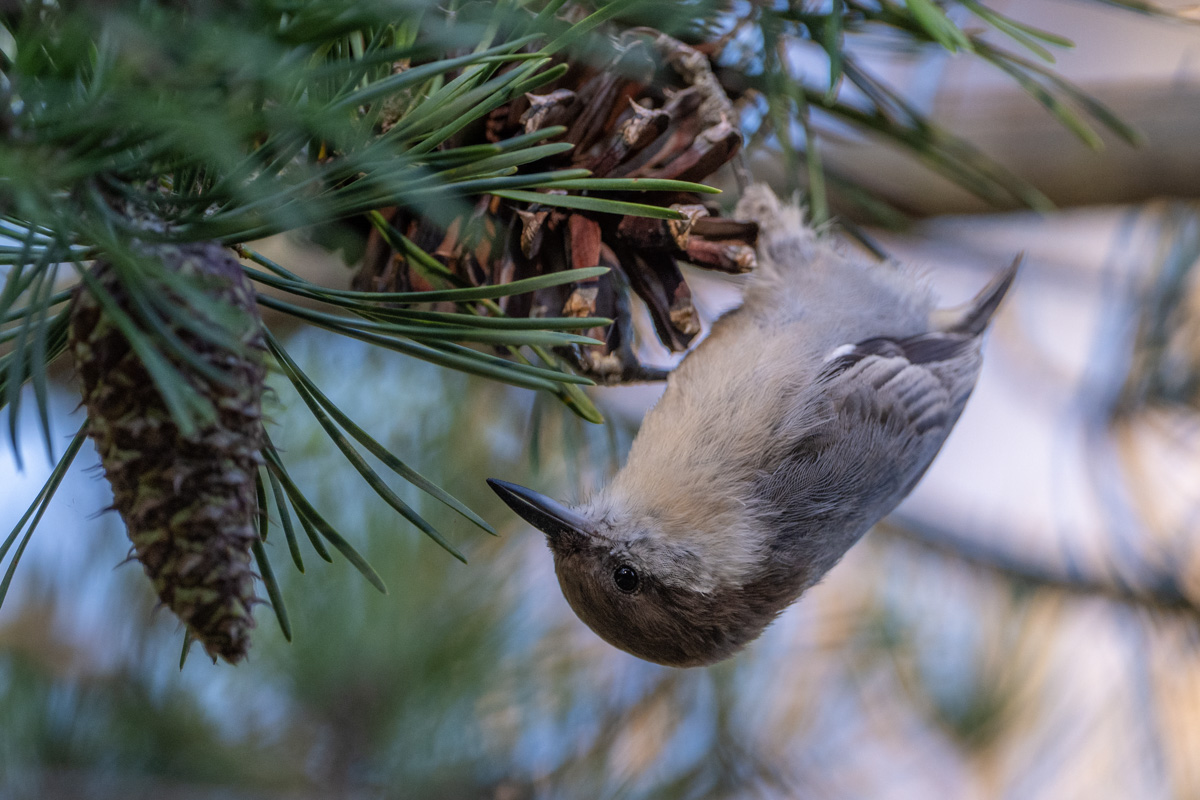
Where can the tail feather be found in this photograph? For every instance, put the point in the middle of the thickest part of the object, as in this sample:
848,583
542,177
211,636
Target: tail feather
976,315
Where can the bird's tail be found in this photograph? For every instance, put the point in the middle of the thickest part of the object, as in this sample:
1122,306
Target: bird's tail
974,317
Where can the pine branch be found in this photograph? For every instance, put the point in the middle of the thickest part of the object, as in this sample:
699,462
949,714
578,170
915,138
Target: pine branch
1162,590
533,165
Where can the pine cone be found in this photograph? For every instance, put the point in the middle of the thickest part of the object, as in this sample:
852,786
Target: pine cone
188,502
657,111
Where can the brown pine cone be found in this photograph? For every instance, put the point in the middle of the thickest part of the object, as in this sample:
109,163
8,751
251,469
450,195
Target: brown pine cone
656,111
188,501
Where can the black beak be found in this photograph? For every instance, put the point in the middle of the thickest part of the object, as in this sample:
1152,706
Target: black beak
552,518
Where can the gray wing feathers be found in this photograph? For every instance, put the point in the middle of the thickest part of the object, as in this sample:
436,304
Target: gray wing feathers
888,404
885,419
892,402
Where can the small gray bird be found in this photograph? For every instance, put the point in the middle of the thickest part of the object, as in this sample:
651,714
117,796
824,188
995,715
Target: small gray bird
805,416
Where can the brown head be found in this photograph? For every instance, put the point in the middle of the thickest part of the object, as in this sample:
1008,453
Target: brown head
636,588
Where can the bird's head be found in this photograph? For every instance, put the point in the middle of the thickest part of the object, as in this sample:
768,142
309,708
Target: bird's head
639,588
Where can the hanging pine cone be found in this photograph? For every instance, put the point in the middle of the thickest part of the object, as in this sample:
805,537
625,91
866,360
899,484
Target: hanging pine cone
657,111
188,501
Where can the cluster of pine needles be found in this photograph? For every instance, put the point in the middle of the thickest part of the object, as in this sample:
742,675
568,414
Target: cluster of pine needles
145,144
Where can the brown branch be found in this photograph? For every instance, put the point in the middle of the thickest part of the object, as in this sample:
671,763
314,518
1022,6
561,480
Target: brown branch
1161,590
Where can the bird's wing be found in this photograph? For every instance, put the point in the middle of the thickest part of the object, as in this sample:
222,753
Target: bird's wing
886,407
919,382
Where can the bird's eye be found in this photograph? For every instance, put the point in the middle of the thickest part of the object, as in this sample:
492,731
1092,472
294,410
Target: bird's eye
626,578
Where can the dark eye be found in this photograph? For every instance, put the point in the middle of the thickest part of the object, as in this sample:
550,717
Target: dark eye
626,578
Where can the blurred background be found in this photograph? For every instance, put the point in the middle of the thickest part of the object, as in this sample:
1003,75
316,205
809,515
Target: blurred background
1024,626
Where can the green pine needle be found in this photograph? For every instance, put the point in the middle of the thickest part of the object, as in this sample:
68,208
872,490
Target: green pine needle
598,204
309,389
319,412
934,20
36,509
312,518
285,521
276,468
273,592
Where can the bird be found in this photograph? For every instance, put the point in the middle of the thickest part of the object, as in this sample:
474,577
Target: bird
803,418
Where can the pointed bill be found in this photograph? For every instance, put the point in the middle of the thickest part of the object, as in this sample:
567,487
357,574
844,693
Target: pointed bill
551,517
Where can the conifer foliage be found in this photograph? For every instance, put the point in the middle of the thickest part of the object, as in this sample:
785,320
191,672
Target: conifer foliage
516,170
